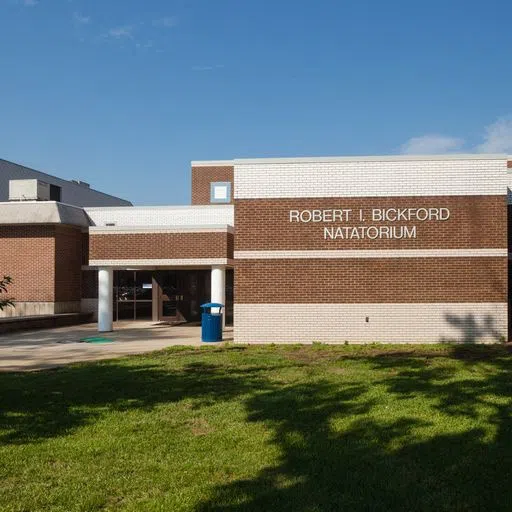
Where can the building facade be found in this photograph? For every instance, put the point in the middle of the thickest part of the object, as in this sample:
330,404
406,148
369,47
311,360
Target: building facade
370,249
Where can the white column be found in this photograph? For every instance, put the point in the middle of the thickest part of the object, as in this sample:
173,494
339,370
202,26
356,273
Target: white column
105,299
218,288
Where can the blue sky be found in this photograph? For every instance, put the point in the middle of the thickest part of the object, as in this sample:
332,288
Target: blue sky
123,94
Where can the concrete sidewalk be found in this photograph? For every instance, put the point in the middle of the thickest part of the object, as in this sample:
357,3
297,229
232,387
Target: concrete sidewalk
36,350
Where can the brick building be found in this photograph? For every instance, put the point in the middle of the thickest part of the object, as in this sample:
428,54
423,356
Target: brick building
385,249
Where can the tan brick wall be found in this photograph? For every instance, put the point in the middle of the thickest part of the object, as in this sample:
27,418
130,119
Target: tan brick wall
203,176
27,254
160,246
475,222
386,280
371,323
370,177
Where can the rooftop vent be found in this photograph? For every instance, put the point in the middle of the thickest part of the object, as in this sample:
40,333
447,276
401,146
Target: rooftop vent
29,190
81,183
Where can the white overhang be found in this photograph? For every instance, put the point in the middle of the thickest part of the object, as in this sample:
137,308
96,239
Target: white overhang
42,212
126,230
212,163
168,217
333,159
383,158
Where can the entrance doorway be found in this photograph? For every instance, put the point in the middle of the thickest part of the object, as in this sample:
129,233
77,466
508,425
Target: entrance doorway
180,293
166,295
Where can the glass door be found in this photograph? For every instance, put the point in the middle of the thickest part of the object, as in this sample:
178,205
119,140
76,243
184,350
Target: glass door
171,295
124,303
143,294
132,295
181,293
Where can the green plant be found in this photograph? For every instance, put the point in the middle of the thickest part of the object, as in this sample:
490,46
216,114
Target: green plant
4,283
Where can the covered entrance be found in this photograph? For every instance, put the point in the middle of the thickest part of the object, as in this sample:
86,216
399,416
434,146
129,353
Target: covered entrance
172,295
180,293
161,263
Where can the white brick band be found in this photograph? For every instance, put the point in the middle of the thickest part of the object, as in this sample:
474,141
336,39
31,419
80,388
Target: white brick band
212,163
162,216
160,262
123,230
370,178
366,323
371,253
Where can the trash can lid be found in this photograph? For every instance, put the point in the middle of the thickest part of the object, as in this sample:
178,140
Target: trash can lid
212,305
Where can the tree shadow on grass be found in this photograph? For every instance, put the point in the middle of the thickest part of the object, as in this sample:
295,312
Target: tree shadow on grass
339,450
376,463
42,405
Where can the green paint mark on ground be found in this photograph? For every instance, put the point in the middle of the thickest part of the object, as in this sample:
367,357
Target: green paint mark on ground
97,339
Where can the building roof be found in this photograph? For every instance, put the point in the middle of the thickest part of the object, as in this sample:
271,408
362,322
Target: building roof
72,193
326,159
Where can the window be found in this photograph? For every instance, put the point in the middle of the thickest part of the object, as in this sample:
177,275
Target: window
55,193
220,192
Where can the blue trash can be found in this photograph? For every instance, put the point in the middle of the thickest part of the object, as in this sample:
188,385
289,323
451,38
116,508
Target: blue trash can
211,323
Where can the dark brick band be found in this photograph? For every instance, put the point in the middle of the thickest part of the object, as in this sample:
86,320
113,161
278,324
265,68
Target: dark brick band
386,280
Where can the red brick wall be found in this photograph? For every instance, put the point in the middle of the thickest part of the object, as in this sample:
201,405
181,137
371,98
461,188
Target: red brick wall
203,176
68,263
27,254
509,164
230,245
89,284
372,280
509,210
44,262
160,245
85,248
475,222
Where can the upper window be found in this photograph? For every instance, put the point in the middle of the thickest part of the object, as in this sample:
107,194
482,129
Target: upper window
220,192
55,193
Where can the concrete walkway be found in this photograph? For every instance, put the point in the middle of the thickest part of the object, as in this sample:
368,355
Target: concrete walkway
41,349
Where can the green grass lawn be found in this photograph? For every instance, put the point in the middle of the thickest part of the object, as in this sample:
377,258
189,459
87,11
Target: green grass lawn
276,428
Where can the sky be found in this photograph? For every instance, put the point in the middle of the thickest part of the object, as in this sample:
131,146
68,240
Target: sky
124,94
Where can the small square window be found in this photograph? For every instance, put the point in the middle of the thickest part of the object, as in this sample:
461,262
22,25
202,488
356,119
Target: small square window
220,192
